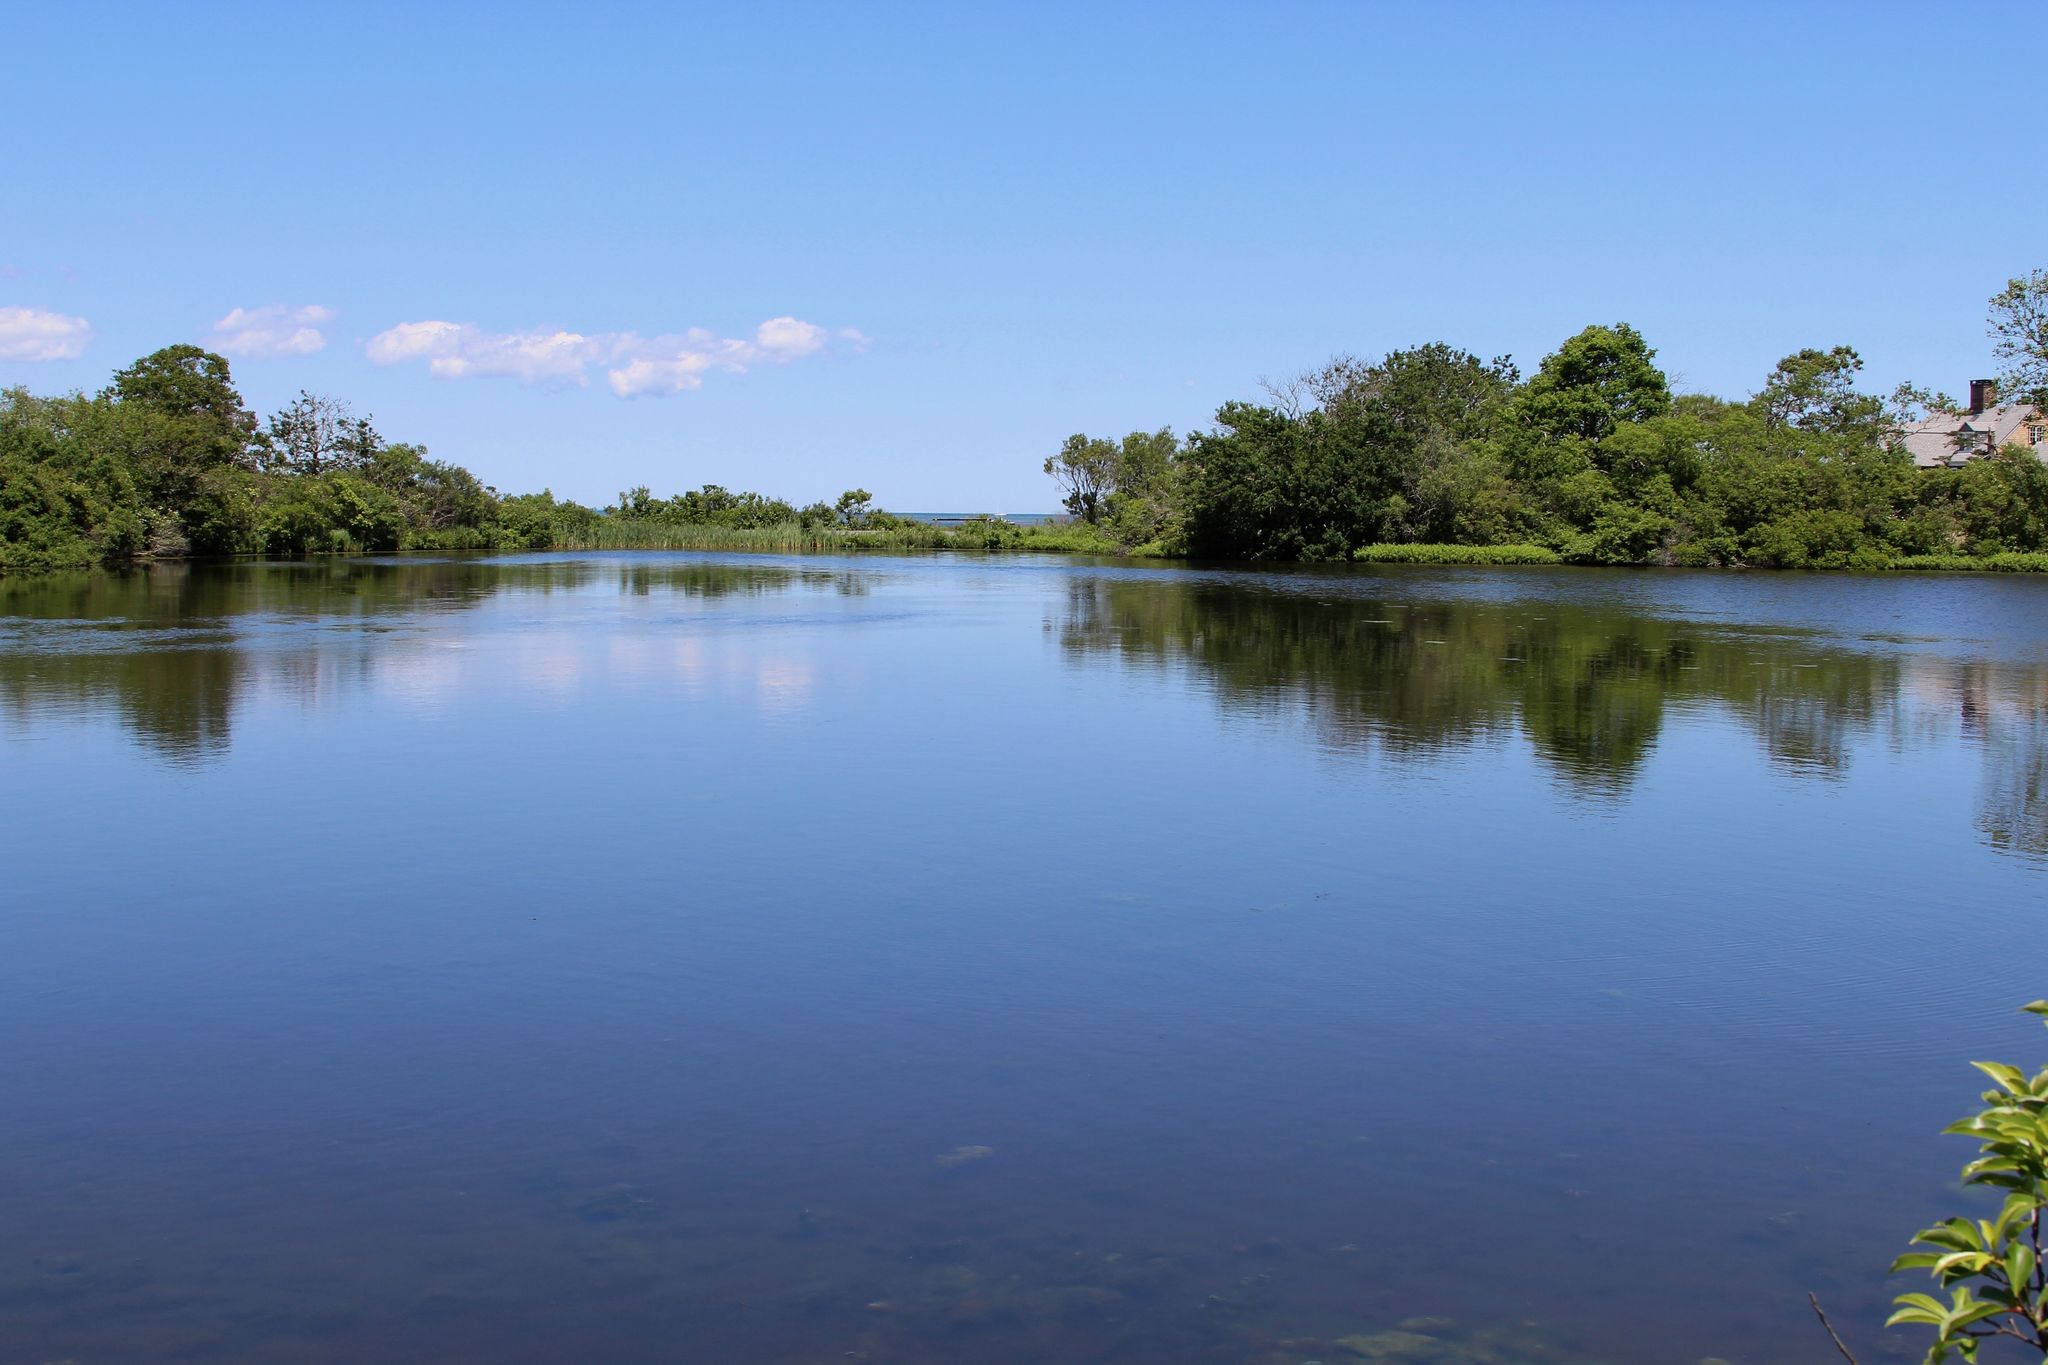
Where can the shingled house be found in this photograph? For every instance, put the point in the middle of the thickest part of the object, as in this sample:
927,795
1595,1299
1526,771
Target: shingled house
1948,439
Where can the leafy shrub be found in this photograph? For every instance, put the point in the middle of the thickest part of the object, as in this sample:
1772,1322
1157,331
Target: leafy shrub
1991,1267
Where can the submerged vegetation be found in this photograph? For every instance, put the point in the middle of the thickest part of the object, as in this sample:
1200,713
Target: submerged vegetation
1427,455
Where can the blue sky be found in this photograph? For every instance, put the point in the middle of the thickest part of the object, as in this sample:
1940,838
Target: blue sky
976,229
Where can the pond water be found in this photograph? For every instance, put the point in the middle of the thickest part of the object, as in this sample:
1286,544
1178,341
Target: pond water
678,958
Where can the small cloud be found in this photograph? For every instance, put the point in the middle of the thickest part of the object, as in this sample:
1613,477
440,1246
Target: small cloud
271,331
680,374
787,338
635,365
33,334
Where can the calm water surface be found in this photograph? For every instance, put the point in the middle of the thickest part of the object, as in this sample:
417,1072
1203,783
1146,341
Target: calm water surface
686,958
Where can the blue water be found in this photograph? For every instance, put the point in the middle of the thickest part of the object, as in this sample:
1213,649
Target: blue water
671,957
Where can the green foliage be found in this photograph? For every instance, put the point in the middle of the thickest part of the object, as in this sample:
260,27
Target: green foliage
1085,469
167,461
1596,382
222,515
1991,1268
853,507
1129,485
536,521
172,417
1595,459
1405,449
435,499
1267,485
1816,391
367,515
2019,336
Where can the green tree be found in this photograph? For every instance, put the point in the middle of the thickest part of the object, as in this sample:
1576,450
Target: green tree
1144,462
1815,391
853,507
1131,484
436,497
1267,485
175,415
1598,380
2019,337
1085,470
186,381
1433,411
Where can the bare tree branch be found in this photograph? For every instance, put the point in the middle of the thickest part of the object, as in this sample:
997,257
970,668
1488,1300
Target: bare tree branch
1831,1331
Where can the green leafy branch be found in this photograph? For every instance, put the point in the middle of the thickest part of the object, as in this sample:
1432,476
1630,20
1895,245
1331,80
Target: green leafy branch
1991,1268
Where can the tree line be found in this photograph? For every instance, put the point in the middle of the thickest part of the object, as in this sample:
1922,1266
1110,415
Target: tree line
1593,458
168,461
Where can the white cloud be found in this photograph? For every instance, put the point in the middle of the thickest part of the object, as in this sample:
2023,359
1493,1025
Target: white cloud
454,350
32,334
635,365
270,331
679,374
789,337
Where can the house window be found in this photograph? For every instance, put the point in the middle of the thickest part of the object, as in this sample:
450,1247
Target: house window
2035,435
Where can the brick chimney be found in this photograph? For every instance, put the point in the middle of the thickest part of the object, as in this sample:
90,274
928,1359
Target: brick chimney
1983,394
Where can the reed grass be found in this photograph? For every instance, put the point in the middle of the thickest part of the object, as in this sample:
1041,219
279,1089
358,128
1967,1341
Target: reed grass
791,537
1456,554
2011,561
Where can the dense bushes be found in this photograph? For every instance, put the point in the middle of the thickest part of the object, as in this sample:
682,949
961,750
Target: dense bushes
167,461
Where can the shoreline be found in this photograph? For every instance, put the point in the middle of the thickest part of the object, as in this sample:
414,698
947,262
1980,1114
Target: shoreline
856,543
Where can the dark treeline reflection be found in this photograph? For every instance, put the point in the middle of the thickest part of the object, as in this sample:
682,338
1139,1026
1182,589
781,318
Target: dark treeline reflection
170,649
1590,688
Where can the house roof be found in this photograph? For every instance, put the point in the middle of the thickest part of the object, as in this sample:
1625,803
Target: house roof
1932,440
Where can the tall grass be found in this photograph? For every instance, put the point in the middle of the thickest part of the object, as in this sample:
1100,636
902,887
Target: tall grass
612,533
2012,561
1456,554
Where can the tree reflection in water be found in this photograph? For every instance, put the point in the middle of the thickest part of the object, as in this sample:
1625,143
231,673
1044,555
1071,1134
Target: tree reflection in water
1587,688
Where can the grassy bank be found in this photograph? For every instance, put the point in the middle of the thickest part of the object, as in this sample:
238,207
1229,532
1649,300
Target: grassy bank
2012,561
2008,562
1456,554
